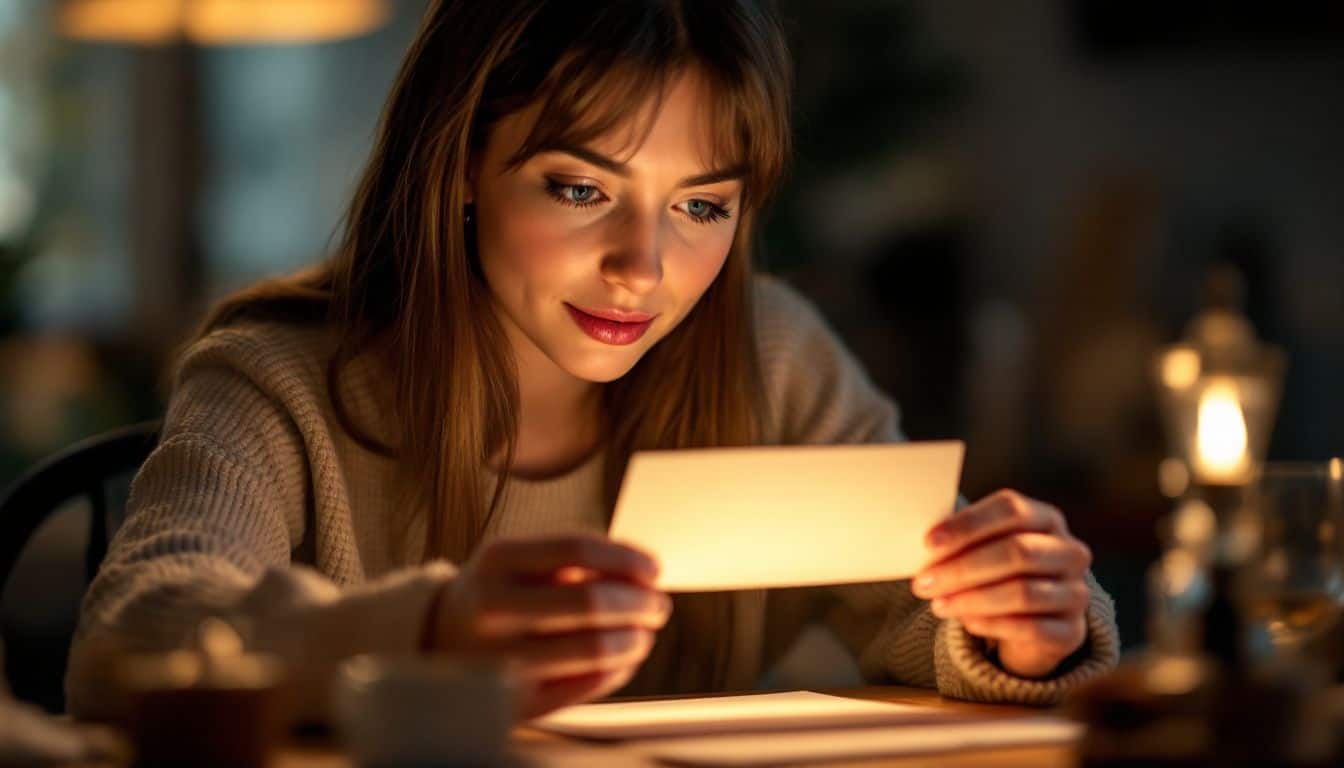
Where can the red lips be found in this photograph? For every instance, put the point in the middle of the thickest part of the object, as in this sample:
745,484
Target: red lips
611,326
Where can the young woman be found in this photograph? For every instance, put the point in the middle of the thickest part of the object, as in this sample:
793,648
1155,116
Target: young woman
415,446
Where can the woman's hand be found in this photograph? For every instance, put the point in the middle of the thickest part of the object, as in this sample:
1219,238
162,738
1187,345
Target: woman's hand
578,614
1009,570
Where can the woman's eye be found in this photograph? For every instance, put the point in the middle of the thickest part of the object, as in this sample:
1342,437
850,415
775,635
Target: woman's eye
577,195
704,211
580,193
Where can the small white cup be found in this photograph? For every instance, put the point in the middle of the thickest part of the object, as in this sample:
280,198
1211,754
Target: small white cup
412,711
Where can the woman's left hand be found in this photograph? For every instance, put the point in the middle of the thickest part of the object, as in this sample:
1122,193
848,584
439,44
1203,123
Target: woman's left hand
1009,570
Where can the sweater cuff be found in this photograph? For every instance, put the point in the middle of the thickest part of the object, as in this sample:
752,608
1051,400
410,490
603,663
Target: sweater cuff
318,626
965,671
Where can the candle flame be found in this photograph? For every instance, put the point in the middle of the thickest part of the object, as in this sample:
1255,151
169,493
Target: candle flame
1221,434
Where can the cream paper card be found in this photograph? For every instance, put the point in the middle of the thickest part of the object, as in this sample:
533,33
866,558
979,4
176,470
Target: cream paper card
784,516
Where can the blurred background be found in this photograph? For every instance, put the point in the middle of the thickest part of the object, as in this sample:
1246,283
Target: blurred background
1004,208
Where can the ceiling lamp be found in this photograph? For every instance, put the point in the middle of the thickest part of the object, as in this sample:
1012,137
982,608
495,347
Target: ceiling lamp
220,22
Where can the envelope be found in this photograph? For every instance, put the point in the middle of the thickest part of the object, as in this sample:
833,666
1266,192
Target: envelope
786,516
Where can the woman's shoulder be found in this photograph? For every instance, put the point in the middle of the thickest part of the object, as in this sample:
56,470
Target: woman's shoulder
284,367
785,321
259,369
816,391
774,296
270,351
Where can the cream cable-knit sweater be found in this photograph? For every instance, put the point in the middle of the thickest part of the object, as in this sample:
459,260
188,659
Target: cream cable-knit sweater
257,504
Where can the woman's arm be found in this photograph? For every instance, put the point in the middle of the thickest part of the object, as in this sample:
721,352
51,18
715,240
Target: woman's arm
213,517
820,395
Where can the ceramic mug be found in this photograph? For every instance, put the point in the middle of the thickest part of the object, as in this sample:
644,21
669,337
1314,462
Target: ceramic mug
409,711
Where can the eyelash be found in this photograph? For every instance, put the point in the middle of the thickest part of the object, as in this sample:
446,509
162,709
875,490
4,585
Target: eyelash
557,190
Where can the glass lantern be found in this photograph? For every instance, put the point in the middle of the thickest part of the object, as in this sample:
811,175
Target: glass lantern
1218,389
1219,393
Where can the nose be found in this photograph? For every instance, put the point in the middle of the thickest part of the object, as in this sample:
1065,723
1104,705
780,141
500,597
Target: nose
634,261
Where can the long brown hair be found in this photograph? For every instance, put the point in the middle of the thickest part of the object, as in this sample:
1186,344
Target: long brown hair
405,278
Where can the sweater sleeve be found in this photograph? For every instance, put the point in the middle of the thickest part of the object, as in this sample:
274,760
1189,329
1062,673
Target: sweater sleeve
819,394
213,518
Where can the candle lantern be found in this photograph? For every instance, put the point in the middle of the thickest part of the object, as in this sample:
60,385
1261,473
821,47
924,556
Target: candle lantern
1218,390
1195,698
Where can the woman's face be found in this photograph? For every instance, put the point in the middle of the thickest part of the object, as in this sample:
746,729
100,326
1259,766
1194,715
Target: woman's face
595,253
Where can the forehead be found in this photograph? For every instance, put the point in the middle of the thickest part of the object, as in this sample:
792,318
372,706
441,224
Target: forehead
675,124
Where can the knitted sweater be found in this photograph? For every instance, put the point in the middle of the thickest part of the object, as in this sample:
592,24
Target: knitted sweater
258,505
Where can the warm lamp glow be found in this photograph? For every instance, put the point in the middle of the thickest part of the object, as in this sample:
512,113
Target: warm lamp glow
1221,438
282,21
129,21
1173,478
1180,368
1194,524
220,22
1174,675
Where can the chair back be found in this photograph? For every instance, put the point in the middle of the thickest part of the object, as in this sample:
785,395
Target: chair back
85,469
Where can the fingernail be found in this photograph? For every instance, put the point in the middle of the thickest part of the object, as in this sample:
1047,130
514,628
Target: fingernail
924,582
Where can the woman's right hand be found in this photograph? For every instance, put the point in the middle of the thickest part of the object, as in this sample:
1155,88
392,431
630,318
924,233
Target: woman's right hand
577,614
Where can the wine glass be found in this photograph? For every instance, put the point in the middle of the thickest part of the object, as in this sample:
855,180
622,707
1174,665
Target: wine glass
1294,585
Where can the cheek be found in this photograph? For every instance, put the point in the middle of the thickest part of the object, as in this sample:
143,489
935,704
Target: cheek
698,263
522,249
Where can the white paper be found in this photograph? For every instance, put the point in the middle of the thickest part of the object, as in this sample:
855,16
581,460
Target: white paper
812,747
745,518
730,714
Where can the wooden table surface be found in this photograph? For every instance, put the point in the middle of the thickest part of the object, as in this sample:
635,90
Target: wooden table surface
545,750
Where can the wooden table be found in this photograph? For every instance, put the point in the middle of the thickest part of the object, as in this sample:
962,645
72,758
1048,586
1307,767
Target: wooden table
546,750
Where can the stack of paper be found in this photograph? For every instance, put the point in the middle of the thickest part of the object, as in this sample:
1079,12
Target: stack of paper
858,743
729,714
794,727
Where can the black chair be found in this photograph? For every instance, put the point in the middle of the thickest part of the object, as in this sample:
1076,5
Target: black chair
82,470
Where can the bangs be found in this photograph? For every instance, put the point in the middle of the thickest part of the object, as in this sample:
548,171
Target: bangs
607,74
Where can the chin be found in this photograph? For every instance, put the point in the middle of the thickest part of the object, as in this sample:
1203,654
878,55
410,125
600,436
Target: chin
602,366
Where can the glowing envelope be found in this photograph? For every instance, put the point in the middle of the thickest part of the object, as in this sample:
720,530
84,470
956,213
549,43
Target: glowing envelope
782,516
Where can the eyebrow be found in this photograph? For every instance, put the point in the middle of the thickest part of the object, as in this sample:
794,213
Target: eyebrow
612,165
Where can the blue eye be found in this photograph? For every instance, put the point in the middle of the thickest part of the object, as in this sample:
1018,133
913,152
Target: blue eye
574,195
704,212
